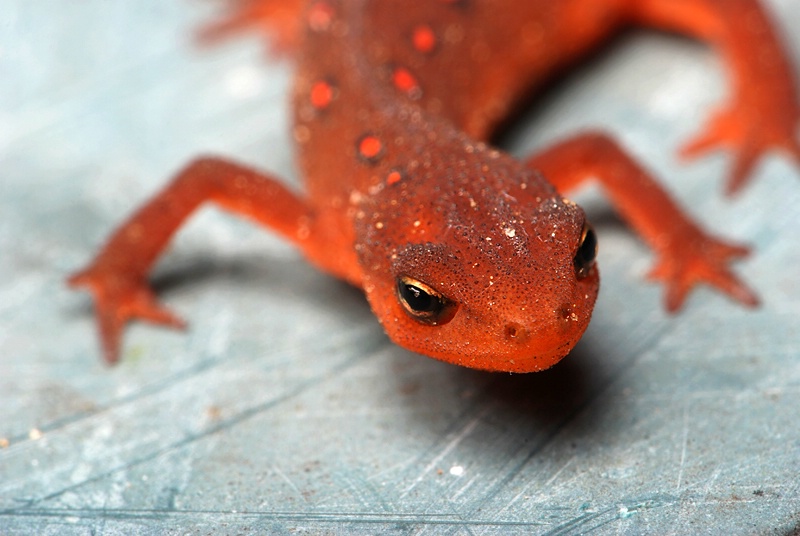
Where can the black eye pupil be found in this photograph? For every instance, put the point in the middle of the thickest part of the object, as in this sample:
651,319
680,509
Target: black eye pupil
423,303
587,252
418,300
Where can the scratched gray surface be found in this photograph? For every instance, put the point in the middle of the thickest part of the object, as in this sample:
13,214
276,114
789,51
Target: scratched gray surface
284,408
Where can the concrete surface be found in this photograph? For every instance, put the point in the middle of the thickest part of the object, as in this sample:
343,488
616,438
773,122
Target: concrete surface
284,408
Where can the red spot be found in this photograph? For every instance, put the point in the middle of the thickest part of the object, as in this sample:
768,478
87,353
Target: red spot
423,39
320,16
406,82
394,176
321,95
370,148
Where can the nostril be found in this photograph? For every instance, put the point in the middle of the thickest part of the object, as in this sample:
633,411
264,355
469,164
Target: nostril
565,311
514,331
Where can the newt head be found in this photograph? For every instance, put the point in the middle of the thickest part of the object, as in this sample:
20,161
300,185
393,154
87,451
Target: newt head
494,271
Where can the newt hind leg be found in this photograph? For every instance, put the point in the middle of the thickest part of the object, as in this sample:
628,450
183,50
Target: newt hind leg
117,277
687,255
763,112
279,20
738,128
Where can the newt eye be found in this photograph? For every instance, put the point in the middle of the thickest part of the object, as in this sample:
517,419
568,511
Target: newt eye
587,252
423,303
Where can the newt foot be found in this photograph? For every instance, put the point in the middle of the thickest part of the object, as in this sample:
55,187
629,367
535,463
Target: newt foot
750,136
119,299
701,260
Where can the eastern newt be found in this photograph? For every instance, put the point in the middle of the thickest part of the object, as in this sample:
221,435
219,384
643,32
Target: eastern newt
465,253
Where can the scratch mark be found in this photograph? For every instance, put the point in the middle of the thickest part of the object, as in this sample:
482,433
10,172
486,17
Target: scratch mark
192,437
394,467
683,446
465,487
711,481
223,516
542,493
289,481
464,432
577,525
558,473
219,338
218,342
366,494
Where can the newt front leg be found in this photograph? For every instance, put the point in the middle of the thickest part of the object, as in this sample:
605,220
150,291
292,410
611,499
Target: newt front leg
686,254
118,275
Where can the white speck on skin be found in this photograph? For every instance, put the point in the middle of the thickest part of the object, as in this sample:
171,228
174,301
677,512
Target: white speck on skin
457,470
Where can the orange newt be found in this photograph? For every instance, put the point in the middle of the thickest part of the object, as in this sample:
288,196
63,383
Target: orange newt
465,253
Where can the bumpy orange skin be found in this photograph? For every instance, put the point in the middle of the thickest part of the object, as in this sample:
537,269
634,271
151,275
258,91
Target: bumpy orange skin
394,103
